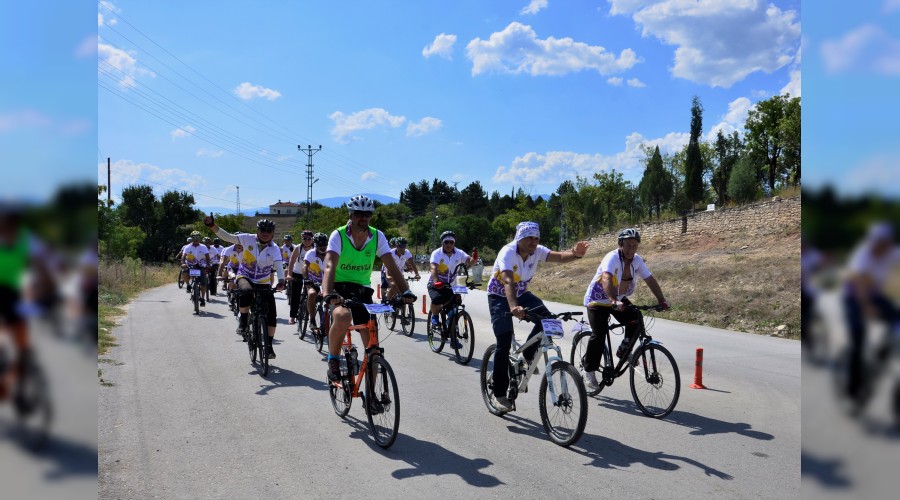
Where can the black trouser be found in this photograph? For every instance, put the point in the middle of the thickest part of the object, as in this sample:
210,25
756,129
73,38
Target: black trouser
856,323
599,319
296,293
503,331
212,278
245,299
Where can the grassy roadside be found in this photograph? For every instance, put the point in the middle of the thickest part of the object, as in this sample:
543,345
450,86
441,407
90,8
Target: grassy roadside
121,281
745,284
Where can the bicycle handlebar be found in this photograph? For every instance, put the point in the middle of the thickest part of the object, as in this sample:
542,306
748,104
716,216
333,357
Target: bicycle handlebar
532,316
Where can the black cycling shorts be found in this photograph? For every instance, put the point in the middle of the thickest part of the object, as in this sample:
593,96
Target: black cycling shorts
244,300
359,293
9,303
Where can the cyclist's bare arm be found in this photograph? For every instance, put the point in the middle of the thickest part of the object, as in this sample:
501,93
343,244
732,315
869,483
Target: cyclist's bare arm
331,261
655,288
606,281
434,273
411,267
509,289
576,252
294,255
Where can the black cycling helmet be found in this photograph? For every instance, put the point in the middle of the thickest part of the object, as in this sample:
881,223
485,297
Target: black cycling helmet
360,203
400,241
448,234
393,241
195,234
629,233
265,225
307,233
216,241
207,239
288,237
320,239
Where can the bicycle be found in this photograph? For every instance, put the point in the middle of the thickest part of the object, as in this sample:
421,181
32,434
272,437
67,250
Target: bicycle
194,286
180,278
31,395
406,314
302,317
258,339
230,295
654,376
455,323
381,398
878,359
562,397
211,279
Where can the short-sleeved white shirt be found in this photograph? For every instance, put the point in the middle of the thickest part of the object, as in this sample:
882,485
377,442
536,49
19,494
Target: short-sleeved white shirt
215,254
446,264
286,251
315,266
232,258
257,264
301,254
399,259
195,255
508,259
612,263
863,262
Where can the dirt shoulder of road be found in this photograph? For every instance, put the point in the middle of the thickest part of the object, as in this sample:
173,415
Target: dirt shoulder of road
749,284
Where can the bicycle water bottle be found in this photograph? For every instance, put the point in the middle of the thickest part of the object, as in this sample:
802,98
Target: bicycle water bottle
354,358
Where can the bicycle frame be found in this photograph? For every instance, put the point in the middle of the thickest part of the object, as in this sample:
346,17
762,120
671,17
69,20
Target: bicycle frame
546,345
370,348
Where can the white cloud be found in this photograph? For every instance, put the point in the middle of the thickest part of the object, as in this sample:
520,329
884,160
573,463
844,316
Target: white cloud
247,91
517,49
209,153
868,48
368,175
128,172
890,6
425,125
718,43
87,47
556,166
441,46
99,19
123,61
733,120
534,7
284,158
184,131
346,125
793,86
615,80
109,6
634,82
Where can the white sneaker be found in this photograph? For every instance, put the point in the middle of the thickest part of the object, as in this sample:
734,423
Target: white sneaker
590,380
504,404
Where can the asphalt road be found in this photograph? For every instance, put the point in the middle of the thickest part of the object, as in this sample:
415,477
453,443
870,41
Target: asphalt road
188,416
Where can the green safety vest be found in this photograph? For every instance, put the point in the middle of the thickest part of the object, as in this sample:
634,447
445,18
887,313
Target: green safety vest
14,262
355,266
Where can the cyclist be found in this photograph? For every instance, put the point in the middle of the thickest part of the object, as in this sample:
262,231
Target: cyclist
404,261
181,252
295,276
231,260
313,271
349,259
864,298
443,262
261,256
513,270
196,256
287,247
607,294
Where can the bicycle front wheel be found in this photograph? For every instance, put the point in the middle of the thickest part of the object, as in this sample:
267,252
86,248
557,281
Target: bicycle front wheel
302,320
33,408
407,320
382,403
464,333
262,342
579,348
655,381
252,338
196,297
435,338
180,280
563,404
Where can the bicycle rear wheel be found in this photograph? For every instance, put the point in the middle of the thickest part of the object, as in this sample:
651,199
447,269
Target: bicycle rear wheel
435,339
251,341
579,348
180,280
464,333
655,381
407,320
302,319
323,327
382,403
564,406
341,399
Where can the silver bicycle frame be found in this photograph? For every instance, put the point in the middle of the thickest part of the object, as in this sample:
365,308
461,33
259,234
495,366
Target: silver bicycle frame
546,345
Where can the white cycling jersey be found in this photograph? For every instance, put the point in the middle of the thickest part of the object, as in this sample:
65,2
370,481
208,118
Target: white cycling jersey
612,263
195,255
446,264
315,266
508,259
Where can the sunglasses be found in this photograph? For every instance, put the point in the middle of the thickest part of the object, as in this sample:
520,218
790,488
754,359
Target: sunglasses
307,239
449,243
365,215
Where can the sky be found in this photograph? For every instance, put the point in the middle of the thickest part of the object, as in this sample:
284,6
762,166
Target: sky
204,96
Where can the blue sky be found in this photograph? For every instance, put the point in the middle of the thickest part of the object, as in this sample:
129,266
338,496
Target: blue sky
206,96
851,72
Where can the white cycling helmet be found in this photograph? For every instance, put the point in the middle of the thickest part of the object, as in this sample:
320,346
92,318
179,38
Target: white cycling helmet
360,203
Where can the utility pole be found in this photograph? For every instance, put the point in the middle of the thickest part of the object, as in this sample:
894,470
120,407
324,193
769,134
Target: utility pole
238,200
434,242
309,177
108,182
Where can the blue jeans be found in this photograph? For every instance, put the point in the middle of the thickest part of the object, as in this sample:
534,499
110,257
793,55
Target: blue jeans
503,331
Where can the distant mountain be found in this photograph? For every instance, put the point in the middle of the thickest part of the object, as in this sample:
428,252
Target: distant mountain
340,200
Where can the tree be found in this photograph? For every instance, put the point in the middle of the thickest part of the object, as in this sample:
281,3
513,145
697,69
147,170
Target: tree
773,139
728,150
419,230
611,191
138,207
743,186
656,186
473,200
693,164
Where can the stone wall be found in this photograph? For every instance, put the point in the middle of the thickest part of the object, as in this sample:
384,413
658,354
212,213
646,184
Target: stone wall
774,216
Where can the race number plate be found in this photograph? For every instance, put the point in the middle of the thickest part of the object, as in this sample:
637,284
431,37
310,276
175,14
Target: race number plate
195,272
553,328
379,308
460,290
